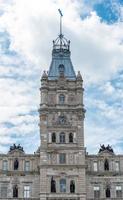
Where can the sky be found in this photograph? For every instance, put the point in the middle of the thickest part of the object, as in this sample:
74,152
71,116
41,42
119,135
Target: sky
95,29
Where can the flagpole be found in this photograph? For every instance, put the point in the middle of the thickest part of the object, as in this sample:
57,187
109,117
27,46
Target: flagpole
61,15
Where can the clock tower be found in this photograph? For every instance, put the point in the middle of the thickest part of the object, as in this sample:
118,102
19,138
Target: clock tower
62,151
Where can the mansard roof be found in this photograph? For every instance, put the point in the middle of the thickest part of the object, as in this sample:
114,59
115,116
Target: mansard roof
61,57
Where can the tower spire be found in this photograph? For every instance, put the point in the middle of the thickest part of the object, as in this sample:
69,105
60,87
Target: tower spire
61,43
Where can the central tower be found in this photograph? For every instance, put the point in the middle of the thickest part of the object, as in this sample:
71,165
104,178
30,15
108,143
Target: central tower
62,152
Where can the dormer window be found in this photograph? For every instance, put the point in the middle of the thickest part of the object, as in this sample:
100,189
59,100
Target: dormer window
61,70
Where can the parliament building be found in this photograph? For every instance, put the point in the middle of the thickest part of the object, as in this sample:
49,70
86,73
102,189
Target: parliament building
61,169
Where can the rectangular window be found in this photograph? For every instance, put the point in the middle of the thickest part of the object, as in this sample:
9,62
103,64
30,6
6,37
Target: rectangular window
5,165
95,166
63,185
117,166
62,158
27,166
3,192
26,191
96,192
118,191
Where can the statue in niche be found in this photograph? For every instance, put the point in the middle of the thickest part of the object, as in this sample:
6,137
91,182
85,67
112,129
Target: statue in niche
16,164
71,137
108,192
53,185
106,165
15,191
72,187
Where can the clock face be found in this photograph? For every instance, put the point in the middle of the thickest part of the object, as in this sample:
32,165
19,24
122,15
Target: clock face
62,119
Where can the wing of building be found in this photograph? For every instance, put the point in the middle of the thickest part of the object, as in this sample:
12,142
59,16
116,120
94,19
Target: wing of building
61,169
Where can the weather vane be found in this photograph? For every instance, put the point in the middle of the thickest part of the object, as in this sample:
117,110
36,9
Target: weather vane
61,15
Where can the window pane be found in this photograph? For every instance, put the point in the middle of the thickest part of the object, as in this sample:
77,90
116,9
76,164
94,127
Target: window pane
117,166
62,158
62,185
26,191
62,137
118,191
61,99
96,192
95,166
27,166
5,165
3,191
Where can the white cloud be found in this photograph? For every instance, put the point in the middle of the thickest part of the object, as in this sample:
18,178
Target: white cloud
97,51
95,45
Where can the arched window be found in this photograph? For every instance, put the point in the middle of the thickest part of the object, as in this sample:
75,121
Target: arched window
53,137
108,194
15,191
106,165
63,185
71,137
72,187
61,99
61,69
53,185
16,164
62,137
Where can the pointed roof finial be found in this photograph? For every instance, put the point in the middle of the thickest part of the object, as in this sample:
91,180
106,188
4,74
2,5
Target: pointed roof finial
61,43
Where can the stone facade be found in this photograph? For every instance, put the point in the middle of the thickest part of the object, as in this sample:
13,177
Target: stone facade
19,174
61,169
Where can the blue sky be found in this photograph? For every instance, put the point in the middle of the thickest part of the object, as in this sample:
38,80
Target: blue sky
27,28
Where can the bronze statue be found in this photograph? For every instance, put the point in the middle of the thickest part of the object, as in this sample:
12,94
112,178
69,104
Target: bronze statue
72,187
53,185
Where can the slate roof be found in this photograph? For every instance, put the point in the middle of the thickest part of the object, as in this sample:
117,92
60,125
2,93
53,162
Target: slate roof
61,56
